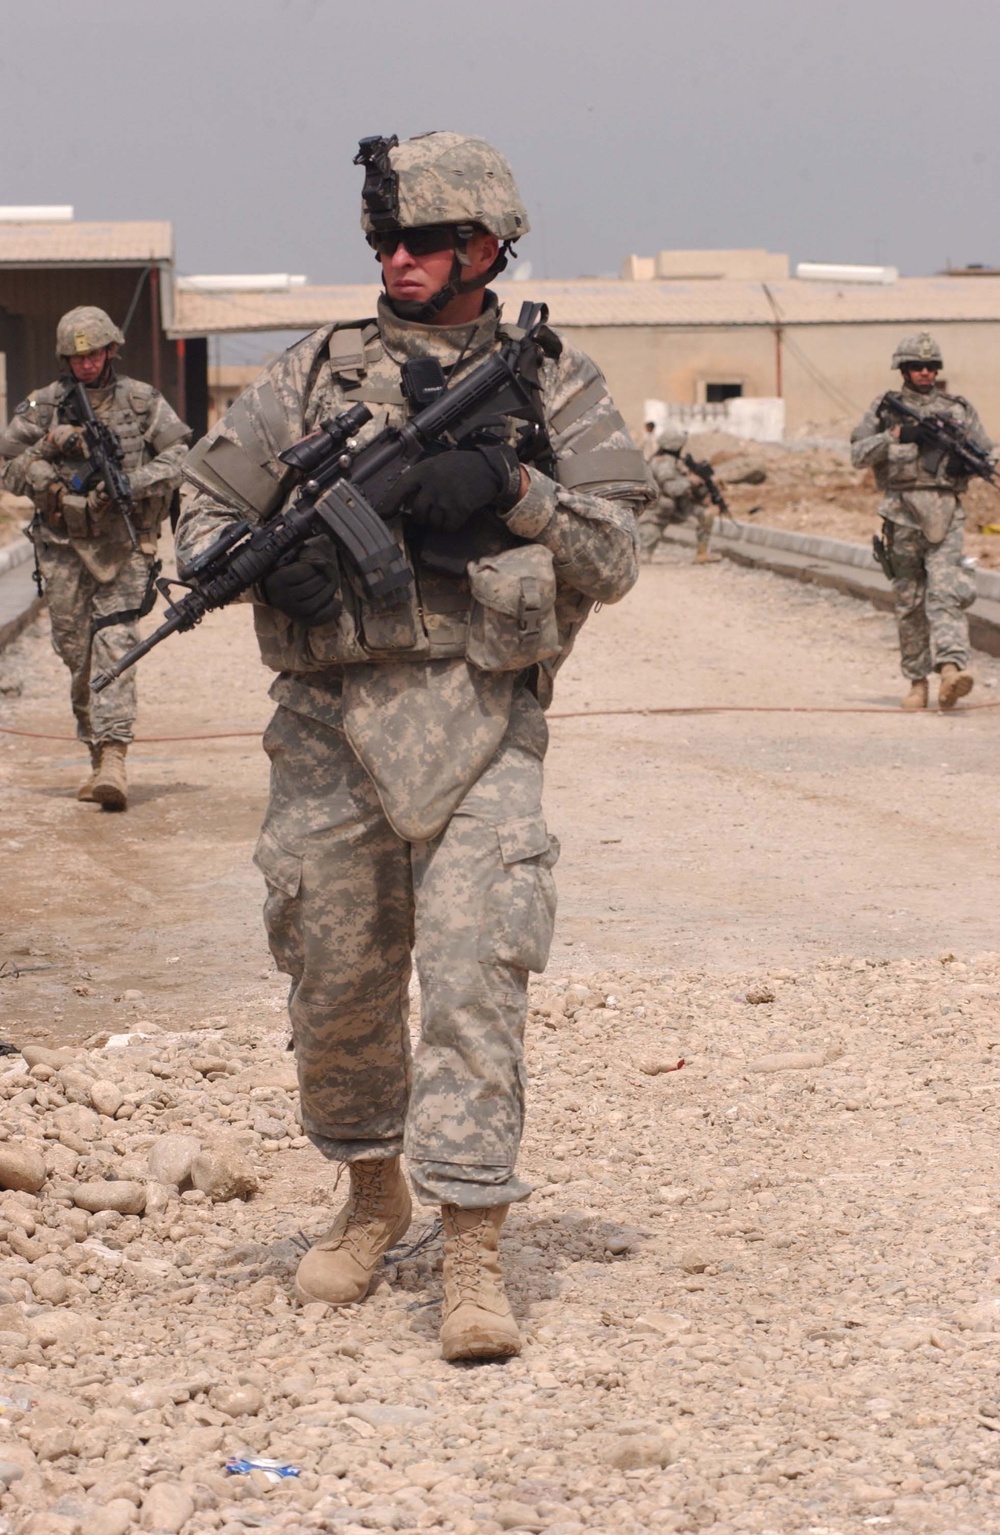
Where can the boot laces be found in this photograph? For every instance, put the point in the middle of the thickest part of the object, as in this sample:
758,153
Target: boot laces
467,1273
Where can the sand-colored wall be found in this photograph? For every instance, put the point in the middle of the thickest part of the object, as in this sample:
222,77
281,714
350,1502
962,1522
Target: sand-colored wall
829,372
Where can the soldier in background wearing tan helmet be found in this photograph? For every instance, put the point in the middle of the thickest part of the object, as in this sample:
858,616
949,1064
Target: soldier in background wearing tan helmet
680,499
83,549
405,817
923,523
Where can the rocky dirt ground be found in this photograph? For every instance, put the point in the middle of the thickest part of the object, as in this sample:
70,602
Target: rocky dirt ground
760,1292
15,514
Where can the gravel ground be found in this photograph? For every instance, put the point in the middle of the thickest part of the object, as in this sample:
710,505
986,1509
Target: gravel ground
759,1292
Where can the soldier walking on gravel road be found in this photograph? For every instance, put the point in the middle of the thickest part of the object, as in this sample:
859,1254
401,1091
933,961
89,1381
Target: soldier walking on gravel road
405,816
89,566
923,522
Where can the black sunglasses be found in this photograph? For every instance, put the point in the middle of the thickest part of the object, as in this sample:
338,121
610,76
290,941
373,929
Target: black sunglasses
419,242
923,367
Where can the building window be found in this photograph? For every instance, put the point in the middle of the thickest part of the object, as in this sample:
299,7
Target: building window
716,393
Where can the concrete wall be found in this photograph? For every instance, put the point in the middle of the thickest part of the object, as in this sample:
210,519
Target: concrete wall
829,372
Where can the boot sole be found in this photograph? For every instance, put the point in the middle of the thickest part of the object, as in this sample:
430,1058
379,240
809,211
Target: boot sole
110,799
961,685
479,1348
307,1298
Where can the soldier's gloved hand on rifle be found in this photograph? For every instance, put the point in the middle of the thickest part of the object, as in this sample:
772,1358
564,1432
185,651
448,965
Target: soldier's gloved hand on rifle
443,492
911,431
304,586
97,501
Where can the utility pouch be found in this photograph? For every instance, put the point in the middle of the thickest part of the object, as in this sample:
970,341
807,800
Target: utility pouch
76,517
512,623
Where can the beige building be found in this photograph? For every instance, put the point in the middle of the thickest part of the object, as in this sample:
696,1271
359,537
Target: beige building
823,346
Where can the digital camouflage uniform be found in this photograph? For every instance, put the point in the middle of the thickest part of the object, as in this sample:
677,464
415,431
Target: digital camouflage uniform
88,566
923,524
678,500
405,811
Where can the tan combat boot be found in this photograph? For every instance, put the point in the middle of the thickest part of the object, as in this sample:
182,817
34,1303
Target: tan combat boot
916,698
110,787
339,1267
86,790
955,683
704,556
478,1322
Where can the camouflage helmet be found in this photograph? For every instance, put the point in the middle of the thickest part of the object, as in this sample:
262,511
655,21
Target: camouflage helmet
85,330
671,440
439,178
921,348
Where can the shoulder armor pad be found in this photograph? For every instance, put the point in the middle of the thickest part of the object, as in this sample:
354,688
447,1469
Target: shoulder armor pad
140,395
955,399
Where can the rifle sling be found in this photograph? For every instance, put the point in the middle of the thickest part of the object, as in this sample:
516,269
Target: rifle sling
131,615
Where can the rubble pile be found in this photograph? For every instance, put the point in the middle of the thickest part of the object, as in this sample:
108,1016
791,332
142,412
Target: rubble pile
759,1290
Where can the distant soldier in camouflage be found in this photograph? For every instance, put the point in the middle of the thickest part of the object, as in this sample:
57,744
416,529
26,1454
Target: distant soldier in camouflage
680,499
405,815
83,549
923,524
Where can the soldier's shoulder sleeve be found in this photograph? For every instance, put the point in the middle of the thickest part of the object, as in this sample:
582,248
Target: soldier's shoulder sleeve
238,462
162,426
973,426
30,421
593,448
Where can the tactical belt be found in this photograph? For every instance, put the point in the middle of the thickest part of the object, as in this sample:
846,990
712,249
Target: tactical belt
131,615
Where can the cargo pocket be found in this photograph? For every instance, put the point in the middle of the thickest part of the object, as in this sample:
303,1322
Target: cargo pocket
283,872
965,586
279,867
521,907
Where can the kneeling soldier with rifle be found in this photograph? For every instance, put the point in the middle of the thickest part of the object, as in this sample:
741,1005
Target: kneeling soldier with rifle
924,445
99,455
405,816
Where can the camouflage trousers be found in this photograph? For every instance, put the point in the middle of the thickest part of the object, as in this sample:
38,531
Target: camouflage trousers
348,903
664,511
932,589
74,597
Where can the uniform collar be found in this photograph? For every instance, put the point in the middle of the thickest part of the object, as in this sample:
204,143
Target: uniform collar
408,338
914,397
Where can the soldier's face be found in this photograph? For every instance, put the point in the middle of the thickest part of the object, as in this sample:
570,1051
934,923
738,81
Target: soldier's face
415,279
922,377
89,366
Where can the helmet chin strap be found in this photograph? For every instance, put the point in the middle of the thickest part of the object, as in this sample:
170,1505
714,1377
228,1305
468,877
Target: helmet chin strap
427,312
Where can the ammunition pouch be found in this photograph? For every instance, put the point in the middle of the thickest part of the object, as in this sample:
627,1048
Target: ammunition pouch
512,623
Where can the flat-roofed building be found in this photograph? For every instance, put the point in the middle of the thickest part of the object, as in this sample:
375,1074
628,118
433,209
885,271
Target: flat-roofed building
50,263
821,346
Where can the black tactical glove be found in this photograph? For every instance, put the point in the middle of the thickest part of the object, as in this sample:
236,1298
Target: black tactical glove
443,492
305,586
911,431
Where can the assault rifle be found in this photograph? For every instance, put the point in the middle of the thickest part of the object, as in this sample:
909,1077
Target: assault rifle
342,484
706,474
941,437
105,454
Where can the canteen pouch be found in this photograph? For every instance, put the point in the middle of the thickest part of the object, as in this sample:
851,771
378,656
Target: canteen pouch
512,622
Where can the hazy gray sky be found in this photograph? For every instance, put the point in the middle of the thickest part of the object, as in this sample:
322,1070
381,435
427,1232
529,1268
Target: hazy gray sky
868,130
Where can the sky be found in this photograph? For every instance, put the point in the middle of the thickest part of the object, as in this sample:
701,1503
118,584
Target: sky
864,131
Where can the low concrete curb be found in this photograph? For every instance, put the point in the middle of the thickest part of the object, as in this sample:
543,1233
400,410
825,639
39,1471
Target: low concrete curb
15,554
19,601
845,567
